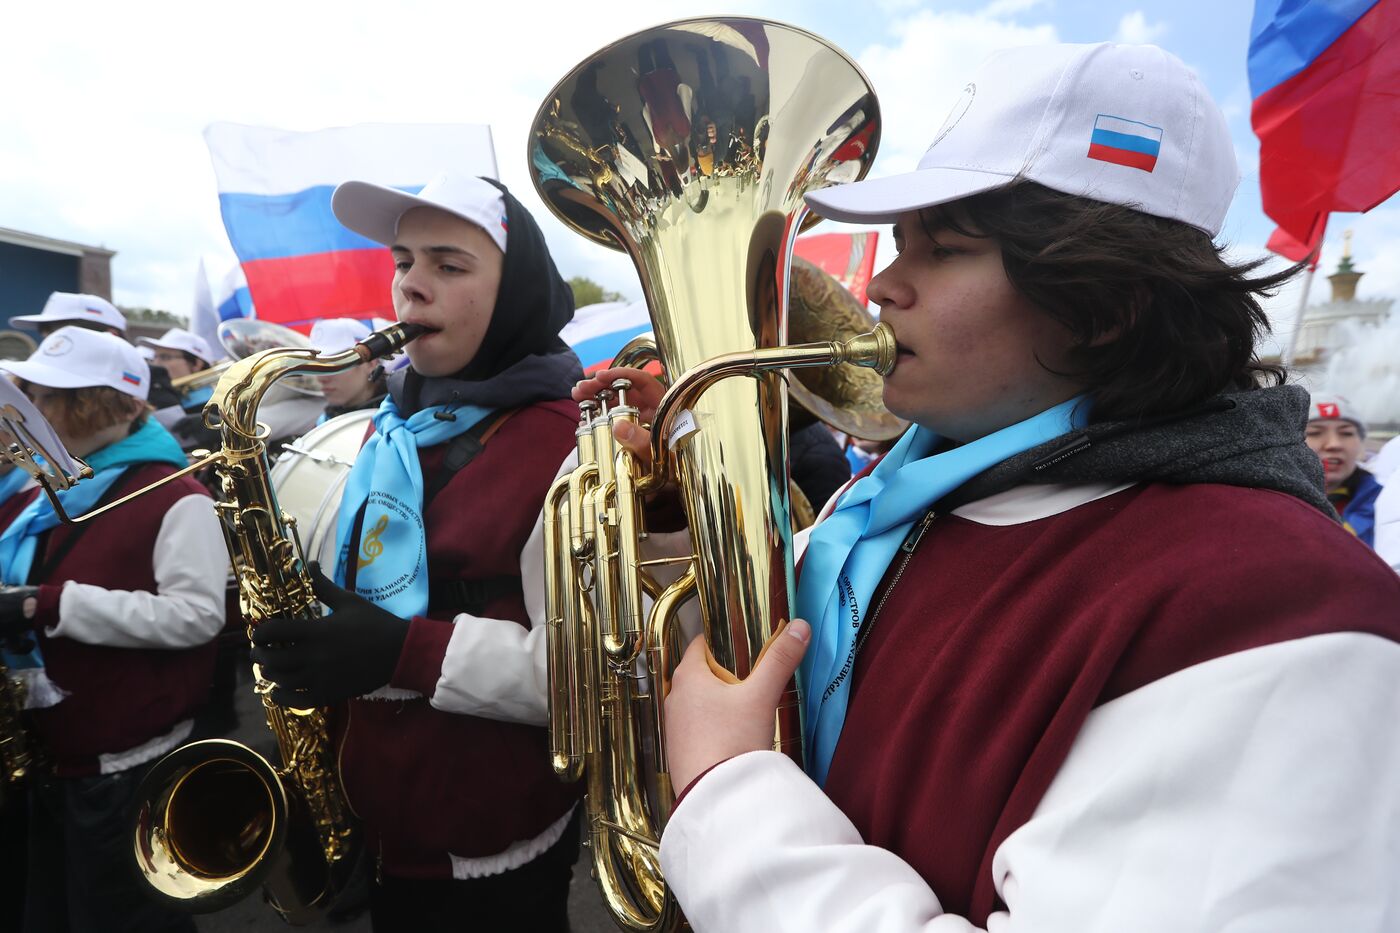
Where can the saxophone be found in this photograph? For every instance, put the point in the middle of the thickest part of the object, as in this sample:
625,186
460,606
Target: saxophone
214,819
17,756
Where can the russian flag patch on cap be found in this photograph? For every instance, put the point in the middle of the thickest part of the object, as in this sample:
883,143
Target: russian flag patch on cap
1125,142
131,378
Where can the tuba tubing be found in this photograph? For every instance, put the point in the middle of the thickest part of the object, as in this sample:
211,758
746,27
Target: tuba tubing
690,147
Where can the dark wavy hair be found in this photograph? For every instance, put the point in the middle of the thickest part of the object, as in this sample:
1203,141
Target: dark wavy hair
1159,319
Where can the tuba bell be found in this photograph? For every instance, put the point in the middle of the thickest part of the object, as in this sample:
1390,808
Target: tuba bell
689,147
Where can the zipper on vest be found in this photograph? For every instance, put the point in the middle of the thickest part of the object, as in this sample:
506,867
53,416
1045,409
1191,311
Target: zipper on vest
911,541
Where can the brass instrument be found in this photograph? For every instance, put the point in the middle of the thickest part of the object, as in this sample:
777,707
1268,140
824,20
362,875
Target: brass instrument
241,338
29,445
734,120
215,819
17,752
205,377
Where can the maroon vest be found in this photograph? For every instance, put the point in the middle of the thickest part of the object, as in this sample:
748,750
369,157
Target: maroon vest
119,698
427,782
1000,640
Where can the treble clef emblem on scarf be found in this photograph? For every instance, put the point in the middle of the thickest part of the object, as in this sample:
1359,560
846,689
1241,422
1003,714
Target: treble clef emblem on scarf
372,546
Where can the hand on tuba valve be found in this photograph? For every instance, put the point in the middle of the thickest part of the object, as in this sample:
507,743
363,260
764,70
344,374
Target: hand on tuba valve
644,393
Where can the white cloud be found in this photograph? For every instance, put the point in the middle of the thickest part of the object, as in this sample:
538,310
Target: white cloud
104,108
1134,29
919,78
1003,8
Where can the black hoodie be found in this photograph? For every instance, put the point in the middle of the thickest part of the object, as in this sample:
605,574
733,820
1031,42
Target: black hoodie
521,358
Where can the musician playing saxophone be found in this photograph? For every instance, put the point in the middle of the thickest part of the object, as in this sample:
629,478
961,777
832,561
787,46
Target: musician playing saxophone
121,613
434,651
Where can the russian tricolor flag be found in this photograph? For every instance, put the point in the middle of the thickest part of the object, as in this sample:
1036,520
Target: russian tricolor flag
1125,142
1325,75
275,195
598,331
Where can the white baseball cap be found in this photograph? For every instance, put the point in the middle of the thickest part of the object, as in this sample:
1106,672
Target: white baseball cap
1122,124
66,306
1335,408
374,210
333,334
78,358
179,339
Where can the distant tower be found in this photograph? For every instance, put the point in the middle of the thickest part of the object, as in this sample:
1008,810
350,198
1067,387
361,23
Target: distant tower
1322,331
1345,278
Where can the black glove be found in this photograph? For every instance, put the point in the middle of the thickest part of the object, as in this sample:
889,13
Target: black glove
317,662
15,625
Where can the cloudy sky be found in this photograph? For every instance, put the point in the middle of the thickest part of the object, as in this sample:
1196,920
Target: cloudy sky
104,103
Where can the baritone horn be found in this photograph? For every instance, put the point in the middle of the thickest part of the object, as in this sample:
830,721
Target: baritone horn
689,147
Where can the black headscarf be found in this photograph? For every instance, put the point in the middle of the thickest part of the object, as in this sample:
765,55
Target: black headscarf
533,303
532,306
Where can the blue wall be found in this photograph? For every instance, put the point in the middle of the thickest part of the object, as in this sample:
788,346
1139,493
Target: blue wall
27,276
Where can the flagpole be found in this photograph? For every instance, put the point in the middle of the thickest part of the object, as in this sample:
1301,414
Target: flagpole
1319,234
1291,349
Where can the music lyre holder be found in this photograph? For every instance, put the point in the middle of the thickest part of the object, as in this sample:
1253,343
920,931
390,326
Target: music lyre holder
32,445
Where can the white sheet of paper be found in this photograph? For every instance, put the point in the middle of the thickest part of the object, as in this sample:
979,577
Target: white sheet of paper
16,408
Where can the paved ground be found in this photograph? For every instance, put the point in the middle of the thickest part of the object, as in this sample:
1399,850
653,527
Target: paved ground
586,911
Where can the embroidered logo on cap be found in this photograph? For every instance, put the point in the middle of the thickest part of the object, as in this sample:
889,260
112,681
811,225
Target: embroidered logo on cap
1328,410
1125,142
131,378
955,115
94,311
58,346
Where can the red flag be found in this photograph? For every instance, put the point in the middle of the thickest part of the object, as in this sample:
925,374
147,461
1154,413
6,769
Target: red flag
849,258
1328,119
1295,250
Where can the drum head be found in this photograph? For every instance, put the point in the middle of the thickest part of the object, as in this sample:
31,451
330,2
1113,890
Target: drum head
309,480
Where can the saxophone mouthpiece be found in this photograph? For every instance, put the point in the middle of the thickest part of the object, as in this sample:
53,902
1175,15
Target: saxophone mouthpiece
390,340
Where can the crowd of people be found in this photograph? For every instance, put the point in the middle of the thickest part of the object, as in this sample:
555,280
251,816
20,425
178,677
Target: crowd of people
1101,643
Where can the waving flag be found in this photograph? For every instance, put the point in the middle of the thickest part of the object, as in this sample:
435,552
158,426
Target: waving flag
849,258
598,331
275,194
1325,75
233,299
204,321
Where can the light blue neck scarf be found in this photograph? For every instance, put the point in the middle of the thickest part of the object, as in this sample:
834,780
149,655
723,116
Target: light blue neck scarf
387,481
11,483
848,554
195,399
18,543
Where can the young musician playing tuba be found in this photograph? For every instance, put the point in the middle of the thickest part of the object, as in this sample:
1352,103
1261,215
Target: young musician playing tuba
434,650
1088,649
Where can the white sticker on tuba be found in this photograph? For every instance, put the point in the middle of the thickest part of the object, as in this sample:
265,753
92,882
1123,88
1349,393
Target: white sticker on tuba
681,428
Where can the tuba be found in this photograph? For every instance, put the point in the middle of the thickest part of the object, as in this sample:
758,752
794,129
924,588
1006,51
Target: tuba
689,147
214,819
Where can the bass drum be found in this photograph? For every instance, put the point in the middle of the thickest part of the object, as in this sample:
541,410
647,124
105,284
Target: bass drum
309,479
